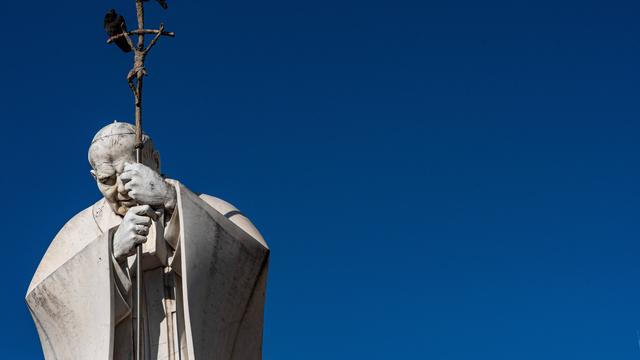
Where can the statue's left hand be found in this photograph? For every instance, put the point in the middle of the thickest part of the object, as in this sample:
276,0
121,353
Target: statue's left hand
147,187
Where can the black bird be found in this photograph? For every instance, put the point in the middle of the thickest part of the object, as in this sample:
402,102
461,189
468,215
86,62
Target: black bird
162,3
114,24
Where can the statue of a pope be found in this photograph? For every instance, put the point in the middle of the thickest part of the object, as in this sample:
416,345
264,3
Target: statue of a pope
205,267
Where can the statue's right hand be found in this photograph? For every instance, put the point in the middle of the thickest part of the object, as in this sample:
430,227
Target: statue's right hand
132,231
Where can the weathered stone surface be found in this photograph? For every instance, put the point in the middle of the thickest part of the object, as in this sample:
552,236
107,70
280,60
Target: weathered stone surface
205,268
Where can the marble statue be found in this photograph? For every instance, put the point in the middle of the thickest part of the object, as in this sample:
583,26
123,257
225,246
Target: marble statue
204,268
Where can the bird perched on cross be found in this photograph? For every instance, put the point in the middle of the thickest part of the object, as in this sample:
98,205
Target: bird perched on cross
114,24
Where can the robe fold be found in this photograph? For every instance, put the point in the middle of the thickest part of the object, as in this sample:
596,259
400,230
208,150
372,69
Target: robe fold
206,301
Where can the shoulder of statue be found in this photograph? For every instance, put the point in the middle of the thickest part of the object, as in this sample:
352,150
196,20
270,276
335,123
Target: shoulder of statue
73,237
218,204
236,216
227,210
83,220
221,206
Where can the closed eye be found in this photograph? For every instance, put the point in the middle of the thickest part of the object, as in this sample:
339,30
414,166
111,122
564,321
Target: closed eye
107,180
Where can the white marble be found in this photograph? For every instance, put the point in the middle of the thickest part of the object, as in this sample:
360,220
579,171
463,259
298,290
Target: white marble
205,268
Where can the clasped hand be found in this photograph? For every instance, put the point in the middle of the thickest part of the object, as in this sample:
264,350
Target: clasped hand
132,231
146,186
148,189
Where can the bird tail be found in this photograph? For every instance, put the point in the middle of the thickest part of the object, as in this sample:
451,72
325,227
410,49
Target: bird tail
123,44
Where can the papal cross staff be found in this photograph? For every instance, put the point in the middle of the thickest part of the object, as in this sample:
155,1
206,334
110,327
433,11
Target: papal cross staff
137,73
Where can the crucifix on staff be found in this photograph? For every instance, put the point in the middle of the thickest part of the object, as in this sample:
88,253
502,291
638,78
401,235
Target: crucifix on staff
116,28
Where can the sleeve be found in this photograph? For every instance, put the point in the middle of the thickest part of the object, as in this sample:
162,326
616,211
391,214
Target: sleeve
73,309
223,279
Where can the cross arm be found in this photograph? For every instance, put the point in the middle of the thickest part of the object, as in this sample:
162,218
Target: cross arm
143,31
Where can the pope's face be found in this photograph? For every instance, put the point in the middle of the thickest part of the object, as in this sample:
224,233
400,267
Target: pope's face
108,157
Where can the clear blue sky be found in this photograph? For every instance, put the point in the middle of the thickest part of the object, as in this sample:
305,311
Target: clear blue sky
437,179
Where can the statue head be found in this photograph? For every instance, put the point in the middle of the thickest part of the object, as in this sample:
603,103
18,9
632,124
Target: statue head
110,149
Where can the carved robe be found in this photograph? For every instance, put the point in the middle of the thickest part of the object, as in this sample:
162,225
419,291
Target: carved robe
203,300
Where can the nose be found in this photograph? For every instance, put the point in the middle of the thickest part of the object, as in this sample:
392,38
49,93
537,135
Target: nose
122,192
